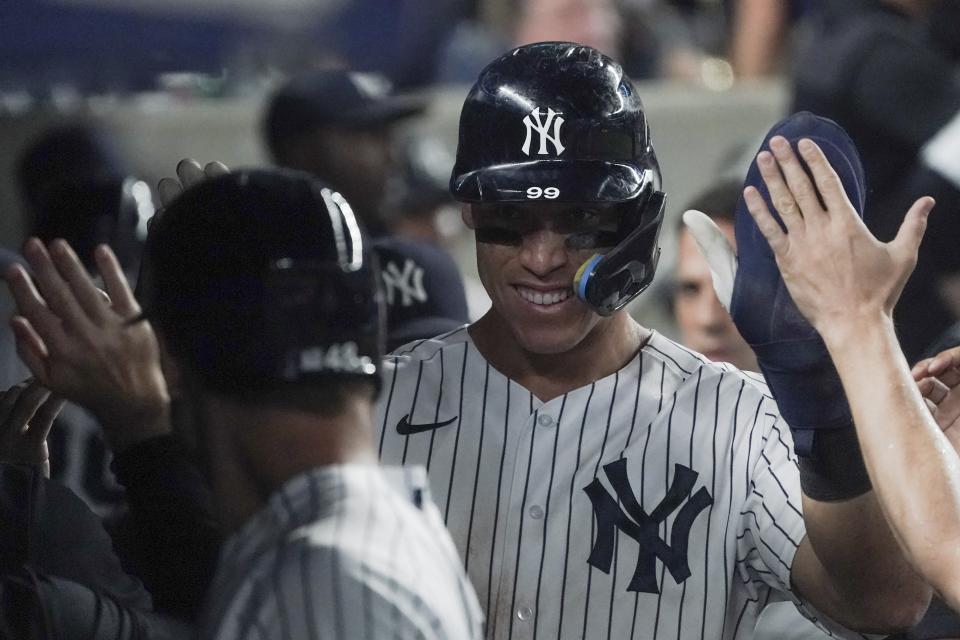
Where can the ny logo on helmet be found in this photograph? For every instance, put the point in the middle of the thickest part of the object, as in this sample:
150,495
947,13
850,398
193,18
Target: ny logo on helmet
627,515
534,122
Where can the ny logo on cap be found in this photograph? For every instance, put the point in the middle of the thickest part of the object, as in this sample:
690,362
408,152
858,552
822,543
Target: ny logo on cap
407,283
534,122
634,521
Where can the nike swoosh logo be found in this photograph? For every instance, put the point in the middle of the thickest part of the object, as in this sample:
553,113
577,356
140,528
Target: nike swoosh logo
404,428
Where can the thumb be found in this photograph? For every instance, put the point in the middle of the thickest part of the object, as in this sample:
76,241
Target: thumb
914,225
716,249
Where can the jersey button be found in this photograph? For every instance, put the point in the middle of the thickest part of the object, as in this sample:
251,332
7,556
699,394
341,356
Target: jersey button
544,420
524,613
536,512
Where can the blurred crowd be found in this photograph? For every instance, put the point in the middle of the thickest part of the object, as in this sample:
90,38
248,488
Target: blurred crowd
348,93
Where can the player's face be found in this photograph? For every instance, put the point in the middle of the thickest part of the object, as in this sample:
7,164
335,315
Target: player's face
527,257
705,326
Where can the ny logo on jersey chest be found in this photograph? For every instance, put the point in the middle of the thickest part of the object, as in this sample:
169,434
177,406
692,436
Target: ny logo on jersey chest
629,517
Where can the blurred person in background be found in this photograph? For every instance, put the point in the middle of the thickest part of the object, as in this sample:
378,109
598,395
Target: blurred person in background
423,211
760,34
887,71
75,185
338,125
417,193
594,23
422,288
705,326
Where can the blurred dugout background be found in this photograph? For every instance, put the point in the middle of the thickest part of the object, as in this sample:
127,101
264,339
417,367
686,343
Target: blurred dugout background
170,79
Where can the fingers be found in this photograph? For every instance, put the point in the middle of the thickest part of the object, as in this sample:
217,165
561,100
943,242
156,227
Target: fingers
933,389
55,290
33,308
30,347
189,172
943,360
783,201
9,398
124,304
827,181
767,224
89,297
716,250
920,370
801,189
168,189
912,229
948,410
949,377
23,408
43,420
214,169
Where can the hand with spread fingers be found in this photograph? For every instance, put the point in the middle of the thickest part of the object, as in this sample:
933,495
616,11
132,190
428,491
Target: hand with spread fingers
27,411
846,283
83,348
938,379
837,273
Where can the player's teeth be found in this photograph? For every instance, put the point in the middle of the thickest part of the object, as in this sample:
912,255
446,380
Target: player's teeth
538,297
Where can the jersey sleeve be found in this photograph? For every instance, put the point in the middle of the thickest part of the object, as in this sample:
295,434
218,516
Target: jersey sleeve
771,525
771,520
322,593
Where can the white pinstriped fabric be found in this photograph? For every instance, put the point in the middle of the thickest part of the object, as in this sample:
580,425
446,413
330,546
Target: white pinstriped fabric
554,506
343,552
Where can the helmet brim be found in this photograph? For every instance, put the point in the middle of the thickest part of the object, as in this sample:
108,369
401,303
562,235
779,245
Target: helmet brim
577,181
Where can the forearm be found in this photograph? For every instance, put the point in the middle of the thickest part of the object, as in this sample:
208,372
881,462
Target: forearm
171,536
914,470
39,607
862,579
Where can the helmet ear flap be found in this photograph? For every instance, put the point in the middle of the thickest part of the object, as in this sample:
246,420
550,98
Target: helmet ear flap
643,207
608,282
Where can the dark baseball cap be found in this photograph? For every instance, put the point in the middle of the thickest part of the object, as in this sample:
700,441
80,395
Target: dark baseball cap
336,98
423,290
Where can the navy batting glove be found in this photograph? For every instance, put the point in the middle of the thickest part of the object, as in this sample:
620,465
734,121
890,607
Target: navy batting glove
792,356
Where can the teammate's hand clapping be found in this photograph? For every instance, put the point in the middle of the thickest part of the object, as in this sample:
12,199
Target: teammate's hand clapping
835,270
939,381
27,411
82,348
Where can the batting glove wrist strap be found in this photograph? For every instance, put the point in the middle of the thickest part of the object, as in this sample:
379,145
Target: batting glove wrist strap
834,471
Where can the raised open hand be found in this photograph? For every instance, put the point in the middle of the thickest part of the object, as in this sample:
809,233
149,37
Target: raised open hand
82,347
837,272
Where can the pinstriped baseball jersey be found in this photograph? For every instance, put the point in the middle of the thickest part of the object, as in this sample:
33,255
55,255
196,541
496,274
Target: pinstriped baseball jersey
344,552
662,501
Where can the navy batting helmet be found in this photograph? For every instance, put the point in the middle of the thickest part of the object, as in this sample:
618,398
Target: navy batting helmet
261,278
560,122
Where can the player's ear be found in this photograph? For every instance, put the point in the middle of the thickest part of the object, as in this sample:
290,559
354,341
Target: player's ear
466,214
